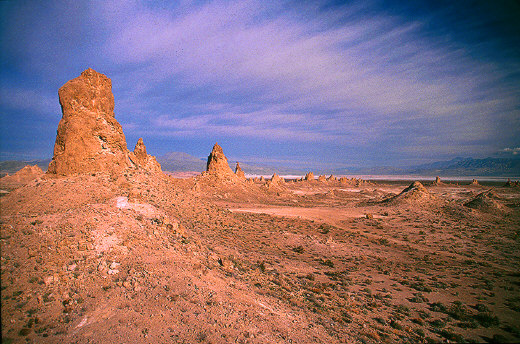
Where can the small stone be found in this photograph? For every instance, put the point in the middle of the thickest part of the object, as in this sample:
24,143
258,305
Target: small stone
72,267
102,266
113,271
114,265
48,280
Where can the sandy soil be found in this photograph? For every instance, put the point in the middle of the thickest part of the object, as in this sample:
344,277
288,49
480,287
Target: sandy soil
154,259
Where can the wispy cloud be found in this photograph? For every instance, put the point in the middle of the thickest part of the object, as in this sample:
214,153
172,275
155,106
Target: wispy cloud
369,71
359,78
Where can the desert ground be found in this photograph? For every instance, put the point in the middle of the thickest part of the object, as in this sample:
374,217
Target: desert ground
148,258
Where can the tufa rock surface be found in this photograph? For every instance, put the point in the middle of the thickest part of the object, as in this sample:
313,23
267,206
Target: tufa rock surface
89,138
218,164
415,193
487,201
276,179
22,177
309,176
143,160
238,171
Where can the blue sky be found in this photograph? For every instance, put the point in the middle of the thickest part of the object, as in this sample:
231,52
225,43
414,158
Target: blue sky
293,83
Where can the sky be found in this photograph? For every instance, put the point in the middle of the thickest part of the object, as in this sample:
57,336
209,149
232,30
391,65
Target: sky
300,84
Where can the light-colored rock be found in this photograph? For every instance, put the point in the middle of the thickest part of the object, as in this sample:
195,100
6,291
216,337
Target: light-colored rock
238,171
309,176
142,160
218,164
89,138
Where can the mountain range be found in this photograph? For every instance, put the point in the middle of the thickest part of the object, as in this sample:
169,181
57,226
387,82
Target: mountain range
183,162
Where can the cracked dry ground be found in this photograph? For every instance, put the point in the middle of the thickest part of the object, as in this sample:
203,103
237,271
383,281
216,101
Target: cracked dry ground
188,261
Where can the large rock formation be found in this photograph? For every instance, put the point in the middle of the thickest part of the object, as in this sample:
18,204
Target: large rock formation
143,160
89,138
218,164
238,171
309,176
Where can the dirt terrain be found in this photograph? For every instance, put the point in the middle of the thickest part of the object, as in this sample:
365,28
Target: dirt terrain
149,258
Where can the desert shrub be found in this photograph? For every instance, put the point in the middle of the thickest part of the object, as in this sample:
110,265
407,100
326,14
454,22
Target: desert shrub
327,262
486,319
452,336
437,307
298,249
396,325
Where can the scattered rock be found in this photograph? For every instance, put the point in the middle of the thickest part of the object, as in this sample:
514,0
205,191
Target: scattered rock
511,184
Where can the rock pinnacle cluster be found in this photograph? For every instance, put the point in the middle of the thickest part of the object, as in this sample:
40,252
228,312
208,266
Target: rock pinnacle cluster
89,138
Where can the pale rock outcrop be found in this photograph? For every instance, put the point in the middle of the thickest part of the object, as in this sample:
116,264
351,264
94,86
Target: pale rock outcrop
218,164
332,178
309,176
89,138
276,179
322,178
141,159
238,171
415,194
487,201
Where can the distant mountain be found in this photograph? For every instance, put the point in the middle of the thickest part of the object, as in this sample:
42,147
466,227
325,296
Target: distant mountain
13,166
458,167
181,162
504,167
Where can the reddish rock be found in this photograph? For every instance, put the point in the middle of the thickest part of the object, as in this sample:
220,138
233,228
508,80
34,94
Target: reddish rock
276,179
238,171
322,178
89,138
141,159
218,164
23,176
309,176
